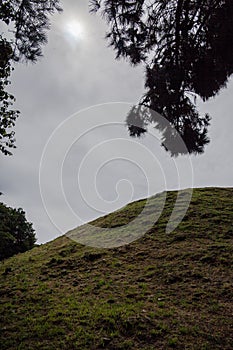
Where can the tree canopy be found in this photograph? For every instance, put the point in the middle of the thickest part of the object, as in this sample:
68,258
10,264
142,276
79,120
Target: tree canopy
27,22
186,47
16,233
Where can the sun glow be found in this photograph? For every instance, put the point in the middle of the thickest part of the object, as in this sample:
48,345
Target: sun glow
75,29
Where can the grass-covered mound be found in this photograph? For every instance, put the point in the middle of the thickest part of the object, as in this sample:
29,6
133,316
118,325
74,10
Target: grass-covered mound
163,291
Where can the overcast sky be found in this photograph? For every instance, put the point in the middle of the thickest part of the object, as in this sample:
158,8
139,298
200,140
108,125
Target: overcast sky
80,94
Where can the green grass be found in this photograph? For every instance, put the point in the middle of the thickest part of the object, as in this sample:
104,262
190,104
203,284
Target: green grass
163,291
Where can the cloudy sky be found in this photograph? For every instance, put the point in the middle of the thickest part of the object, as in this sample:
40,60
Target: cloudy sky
74,159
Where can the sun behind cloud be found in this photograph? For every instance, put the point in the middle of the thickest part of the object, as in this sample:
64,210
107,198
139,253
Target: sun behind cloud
75,29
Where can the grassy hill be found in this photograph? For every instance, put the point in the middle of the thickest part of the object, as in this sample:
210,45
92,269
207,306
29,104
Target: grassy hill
163,291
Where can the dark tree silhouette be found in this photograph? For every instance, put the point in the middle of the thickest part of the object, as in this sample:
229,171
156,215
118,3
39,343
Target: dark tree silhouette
16,233
186,47
7,116
26,23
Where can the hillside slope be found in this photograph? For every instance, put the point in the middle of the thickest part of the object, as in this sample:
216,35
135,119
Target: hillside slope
163,291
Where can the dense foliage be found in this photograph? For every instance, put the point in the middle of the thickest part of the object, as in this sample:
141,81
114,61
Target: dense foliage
16,233
7,116
186,47
28,21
